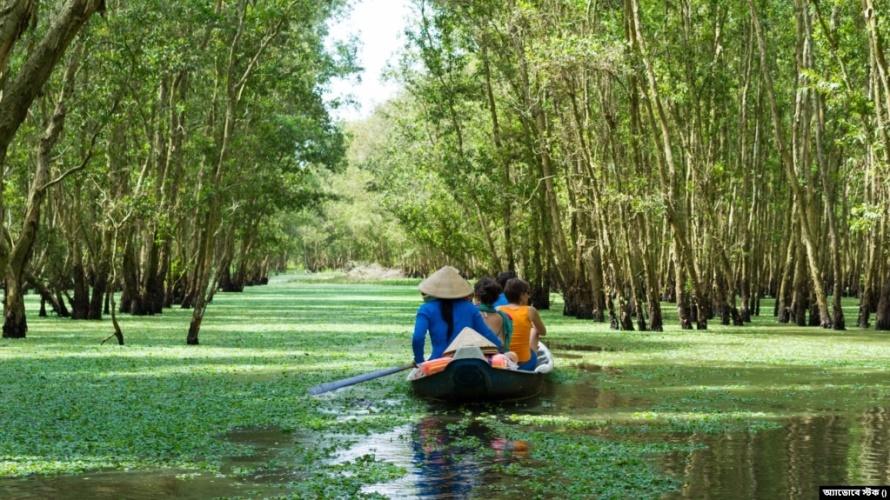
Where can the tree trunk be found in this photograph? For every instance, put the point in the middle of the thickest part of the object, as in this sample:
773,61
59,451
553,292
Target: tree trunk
130,302
683,311
63,309
505,164
675,200
800,293
15,17
118,332
791,169
15,324
225,278
80,305
100,285
29,81
882,318
150,288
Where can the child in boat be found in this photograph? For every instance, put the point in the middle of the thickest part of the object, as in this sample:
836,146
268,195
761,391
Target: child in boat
527,324
445,312
487,291
502,280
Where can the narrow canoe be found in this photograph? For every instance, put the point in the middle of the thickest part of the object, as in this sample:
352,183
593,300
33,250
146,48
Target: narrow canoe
470,378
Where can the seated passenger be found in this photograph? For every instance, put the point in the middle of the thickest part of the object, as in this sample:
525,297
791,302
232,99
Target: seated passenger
445,312
487,292
527,324
502,279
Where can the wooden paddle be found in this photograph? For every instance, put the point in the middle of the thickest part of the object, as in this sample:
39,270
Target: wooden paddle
337,384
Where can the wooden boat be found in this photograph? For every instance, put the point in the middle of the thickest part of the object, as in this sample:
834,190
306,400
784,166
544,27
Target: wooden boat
469,377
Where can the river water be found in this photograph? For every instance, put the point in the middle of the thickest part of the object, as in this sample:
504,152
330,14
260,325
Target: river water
789,462
440,454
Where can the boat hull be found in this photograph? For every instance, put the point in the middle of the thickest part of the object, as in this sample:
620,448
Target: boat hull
473,379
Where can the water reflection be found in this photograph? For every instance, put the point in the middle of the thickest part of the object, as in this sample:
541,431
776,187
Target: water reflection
445,460
873,455
573,399
790,462
265,444
132,485
447,456
450,454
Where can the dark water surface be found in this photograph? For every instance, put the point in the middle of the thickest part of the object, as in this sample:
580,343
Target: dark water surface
114,485
790,462
166,483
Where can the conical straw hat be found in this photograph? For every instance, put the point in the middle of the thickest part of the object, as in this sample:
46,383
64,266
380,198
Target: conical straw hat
446,283
469,337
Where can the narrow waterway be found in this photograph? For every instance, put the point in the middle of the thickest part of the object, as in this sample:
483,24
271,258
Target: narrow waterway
450,453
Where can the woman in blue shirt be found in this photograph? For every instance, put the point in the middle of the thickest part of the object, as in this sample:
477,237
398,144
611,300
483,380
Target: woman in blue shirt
445,312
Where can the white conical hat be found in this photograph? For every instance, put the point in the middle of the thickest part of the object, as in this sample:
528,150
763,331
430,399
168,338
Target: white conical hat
469,337
446,283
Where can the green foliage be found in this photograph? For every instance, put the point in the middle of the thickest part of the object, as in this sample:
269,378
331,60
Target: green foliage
597,468
189,119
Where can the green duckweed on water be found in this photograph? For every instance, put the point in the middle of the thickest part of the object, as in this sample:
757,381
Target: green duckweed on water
626,413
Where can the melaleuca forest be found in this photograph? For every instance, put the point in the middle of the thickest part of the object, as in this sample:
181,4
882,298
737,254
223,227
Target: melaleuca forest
475,248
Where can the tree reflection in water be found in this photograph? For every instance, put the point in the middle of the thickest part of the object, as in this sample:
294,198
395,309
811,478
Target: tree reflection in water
790,462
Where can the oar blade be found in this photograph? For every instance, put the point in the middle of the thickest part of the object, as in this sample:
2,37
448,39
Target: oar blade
357,379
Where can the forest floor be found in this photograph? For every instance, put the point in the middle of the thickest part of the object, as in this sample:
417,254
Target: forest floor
758,411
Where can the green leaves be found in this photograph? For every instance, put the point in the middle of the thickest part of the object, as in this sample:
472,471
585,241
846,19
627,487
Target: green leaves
865,217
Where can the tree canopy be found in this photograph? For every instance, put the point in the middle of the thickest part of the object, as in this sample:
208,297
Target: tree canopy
156,149
625,153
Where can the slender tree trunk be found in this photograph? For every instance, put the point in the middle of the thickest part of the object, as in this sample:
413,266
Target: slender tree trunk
505,164
21,90
683,310
15,17
80,305
675,199
809,242
14,323
882,318
100,278
118,332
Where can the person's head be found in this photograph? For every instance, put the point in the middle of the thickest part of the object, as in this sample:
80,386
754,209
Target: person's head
517,291
487,291
446,283
504,277
447,286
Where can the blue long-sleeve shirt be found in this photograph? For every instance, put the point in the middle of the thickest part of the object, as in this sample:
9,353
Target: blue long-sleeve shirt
429,319
502,301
